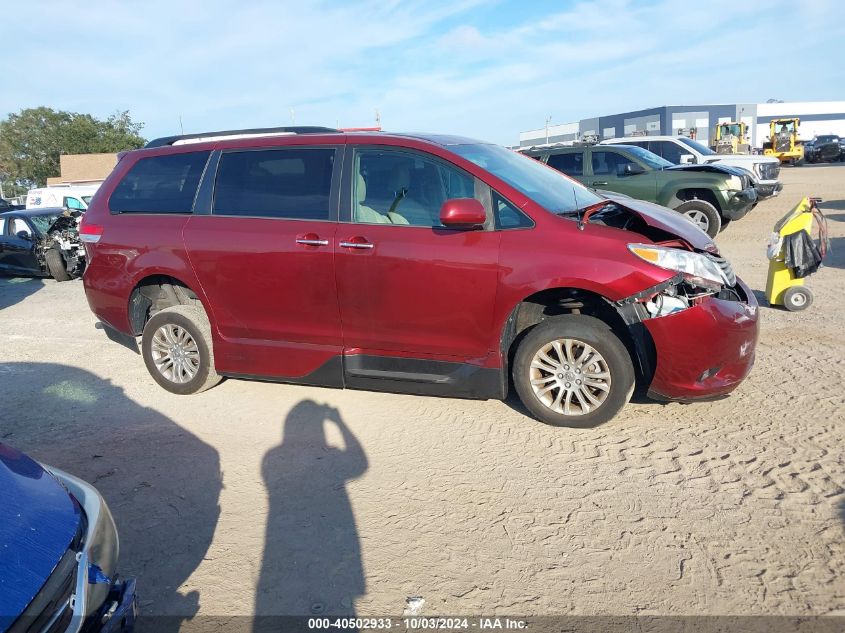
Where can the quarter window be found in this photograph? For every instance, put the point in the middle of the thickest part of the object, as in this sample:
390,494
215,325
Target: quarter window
394,187
508,216
291,183
160,184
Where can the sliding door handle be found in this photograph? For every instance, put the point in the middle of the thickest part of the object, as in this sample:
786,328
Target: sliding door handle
356,245
313,242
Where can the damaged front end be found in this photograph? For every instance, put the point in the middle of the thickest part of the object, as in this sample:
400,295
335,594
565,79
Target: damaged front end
696,331
62,236
702,322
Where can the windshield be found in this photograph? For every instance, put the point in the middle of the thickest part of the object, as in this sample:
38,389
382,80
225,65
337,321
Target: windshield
546,186
698,147
43,222
652,160
827,139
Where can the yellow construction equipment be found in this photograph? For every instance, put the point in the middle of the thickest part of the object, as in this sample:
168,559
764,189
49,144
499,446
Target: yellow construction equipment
731,138
783,142
792,260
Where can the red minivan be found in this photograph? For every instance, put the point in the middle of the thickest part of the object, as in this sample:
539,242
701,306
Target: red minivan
423,264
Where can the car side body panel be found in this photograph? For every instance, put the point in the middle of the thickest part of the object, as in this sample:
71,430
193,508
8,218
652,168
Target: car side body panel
425,310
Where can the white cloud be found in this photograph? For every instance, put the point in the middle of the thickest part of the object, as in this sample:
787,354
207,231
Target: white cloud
487,71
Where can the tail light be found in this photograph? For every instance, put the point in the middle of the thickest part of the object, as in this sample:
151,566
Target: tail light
90,233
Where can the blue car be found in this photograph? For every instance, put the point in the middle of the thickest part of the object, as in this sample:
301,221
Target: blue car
58,553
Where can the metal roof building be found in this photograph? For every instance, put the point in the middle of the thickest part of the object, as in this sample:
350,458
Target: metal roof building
817,117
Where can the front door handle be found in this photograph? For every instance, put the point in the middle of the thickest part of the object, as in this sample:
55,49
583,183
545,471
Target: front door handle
356,242
598,183
311,239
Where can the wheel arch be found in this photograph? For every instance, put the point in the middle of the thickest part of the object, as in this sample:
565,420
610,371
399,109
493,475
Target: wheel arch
701,193
154,293
543,304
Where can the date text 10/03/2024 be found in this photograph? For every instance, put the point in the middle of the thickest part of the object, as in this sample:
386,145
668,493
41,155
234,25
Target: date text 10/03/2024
418,623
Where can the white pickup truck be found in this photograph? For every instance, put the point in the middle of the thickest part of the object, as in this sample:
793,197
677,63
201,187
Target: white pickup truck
680,150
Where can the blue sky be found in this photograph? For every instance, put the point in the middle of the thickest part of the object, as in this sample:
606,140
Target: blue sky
482,69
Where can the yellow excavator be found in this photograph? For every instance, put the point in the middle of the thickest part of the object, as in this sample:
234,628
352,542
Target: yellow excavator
731,138
783,142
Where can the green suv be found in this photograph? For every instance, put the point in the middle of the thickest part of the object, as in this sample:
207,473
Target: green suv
709,195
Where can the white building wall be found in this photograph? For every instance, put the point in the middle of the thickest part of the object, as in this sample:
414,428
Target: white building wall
797,108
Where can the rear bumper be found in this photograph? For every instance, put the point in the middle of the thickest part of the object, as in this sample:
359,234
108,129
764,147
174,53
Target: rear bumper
705,351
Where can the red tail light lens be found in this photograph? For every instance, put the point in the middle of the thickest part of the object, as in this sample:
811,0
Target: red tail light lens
90,233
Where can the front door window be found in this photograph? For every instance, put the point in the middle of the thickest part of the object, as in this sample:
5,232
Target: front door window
394,187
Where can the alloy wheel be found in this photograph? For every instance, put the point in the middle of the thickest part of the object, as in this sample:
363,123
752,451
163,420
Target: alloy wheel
699,218
570,377
175,353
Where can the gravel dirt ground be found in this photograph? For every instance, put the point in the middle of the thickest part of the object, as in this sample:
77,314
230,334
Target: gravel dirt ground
285,499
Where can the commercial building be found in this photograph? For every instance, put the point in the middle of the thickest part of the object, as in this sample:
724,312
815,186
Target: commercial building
699,121
84,169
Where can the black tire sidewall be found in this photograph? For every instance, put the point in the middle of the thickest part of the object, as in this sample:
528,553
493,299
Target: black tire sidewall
176,318
713,217
596,334
56,265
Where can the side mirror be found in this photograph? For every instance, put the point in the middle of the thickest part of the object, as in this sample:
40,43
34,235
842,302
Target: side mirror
687,159
632,169
24,235
465,213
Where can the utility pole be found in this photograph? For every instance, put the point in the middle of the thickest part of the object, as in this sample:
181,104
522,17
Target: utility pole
548,119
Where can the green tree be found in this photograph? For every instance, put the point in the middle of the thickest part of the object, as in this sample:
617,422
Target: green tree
32,140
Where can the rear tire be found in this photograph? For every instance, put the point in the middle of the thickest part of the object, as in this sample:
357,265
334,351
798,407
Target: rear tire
178,350
703,214
562,351
797,298
56,265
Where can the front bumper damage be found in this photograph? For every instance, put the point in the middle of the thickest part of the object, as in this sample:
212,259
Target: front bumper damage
700,352
769,190
102,602
738,203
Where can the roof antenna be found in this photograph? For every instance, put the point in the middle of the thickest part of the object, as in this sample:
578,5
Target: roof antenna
578,212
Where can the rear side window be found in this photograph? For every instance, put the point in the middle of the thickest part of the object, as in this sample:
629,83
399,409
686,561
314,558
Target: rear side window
569,164
160,184
292,183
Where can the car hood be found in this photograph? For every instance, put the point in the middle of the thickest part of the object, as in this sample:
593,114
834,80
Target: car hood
712,168
38,521
666,220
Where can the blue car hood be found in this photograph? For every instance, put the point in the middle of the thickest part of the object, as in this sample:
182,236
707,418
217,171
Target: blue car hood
38,521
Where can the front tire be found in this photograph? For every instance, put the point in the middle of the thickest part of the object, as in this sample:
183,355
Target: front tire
703,214
178,350
56,265
572,371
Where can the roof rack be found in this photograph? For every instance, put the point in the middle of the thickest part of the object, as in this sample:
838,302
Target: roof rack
260,131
